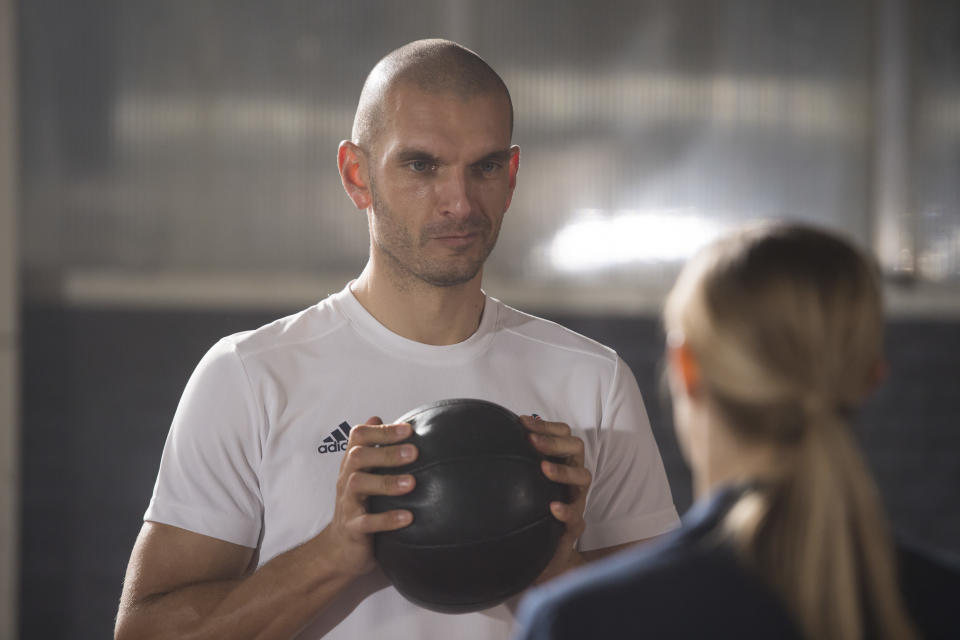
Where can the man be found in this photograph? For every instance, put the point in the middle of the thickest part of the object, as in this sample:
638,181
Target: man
257,526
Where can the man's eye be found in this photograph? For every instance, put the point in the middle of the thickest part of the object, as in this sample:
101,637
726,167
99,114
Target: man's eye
419,165
489,167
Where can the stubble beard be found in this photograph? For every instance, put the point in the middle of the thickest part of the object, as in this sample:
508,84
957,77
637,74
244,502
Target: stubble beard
406,254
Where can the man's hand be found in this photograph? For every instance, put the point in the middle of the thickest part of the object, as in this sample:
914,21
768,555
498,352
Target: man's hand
555,439
349,532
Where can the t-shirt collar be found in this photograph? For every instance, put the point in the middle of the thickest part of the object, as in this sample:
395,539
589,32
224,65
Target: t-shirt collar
383,338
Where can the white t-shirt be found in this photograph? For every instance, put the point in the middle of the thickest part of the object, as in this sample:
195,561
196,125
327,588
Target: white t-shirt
252,456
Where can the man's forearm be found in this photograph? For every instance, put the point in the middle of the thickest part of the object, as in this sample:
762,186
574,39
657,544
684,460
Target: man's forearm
597,554
276,601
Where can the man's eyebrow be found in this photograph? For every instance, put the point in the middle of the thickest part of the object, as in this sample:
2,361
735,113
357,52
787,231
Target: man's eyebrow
406,155
503,155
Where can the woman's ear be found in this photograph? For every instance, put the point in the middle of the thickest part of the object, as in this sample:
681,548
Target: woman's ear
684,364
878,373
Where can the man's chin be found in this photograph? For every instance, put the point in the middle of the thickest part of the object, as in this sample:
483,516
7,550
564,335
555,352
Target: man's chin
448,282
450,278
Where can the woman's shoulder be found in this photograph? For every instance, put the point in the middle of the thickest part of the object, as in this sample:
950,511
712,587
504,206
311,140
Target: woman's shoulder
685,586
930,584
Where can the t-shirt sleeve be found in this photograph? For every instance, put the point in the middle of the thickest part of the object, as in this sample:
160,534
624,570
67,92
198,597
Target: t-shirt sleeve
207,481
629,496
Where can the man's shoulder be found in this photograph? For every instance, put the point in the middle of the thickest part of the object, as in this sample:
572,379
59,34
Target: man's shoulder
541,332
314,323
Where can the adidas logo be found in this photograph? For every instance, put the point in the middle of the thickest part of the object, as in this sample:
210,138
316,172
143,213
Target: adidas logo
337,440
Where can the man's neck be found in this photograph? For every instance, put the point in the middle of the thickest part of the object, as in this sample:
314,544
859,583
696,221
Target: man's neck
419,311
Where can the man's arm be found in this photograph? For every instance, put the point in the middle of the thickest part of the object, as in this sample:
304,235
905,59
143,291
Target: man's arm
181,584
596,554
556,439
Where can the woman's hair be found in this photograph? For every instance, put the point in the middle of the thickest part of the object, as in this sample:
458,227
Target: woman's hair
786,325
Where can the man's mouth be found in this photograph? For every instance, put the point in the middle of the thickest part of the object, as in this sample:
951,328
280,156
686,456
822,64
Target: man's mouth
457,239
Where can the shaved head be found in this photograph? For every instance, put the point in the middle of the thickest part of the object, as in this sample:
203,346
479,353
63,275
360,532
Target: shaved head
432,66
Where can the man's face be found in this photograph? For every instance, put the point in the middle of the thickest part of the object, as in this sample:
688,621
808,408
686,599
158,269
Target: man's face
441,175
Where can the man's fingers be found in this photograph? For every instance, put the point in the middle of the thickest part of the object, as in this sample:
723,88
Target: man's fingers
365,457
568,515
571,518
559,446
386,521
538,425
566,474
362,484
367,435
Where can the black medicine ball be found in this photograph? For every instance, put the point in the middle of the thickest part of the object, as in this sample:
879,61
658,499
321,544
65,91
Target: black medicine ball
482,530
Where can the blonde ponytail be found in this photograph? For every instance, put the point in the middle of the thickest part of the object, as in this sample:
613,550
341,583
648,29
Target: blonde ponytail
786,324
818,535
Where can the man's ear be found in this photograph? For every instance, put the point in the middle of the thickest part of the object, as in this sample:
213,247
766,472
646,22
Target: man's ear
352,163
512,168
684,365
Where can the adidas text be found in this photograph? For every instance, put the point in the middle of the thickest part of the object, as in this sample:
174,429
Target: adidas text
337,440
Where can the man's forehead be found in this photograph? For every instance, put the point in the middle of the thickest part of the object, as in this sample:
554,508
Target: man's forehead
404,97
415,118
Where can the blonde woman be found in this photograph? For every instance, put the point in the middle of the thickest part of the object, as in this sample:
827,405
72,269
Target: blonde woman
774,338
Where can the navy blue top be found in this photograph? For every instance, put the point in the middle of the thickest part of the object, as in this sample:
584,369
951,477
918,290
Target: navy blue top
692,585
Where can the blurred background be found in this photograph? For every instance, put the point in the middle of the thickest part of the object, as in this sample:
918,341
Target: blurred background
168,176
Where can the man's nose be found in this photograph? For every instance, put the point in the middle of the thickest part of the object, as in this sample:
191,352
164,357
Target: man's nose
455,193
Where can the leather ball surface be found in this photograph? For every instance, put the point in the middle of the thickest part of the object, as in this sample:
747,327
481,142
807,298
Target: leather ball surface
482,530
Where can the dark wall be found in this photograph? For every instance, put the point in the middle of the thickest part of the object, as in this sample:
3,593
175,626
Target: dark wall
100,388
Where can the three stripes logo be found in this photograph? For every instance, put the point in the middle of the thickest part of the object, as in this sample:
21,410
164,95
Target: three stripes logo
337,440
